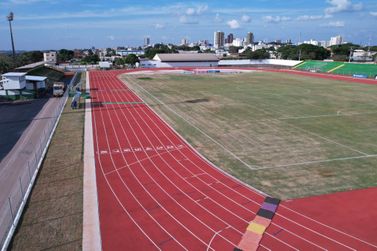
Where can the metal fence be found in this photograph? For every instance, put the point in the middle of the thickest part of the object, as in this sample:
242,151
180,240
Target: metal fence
11,210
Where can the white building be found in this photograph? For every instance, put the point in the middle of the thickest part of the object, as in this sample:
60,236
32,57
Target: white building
238,42
125,53
13,81
312,42
338,40
50,57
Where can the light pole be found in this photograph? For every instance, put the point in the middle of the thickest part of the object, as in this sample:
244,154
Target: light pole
10,18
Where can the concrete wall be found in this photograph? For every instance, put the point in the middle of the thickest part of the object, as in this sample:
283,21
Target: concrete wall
158,64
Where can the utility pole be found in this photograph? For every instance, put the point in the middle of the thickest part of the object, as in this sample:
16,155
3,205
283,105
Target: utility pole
10,18
299,48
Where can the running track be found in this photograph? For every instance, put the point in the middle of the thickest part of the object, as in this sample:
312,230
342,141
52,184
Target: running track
156,192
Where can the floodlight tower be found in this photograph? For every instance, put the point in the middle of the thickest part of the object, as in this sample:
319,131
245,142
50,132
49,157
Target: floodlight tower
10,18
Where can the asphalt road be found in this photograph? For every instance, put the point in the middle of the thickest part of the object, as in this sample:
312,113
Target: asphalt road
21,129
14,119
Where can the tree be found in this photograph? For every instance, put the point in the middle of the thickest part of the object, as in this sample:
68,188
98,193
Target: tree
110,52
65,55
91,59
119,61
342,52
234,49
258,54
307,51
150,52
131,59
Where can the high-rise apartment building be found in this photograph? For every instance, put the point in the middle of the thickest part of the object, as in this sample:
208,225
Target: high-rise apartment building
218,39
336,40
249,38
147,41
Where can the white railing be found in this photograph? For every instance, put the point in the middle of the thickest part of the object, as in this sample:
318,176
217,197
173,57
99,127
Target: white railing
11,210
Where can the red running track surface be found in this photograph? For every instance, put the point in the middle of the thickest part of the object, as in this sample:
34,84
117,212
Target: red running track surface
156,192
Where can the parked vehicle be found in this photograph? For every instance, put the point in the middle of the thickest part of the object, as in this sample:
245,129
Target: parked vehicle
58,89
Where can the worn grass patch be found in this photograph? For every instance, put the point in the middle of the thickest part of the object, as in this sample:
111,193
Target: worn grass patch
52,218
298,136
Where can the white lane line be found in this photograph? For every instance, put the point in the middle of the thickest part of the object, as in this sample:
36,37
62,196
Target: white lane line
113,192
214,236
151,176
138,180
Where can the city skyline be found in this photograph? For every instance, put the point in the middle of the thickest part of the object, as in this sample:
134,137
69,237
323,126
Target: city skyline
44,25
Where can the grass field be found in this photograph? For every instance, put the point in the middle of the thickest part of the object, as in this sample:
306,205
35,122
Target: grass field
289,136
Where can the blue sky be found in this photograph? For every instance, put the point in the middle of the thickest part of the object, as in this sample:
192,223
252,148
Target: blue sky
54,24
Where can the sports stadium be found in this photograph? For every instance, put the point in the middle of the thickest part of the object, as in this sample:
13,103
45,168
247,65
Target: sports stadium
231,159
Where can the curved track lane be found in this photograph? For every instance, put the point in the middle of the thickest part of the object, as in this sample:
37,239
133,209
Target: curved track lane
156,192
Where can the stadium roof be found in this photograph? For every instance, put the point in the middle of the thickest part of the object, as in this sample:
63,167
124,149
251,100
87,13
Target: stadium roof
200,57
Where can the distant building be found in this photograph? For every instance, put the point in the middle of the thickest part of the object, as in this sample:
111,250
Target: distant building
362,56
50,57
181,60
147,41
78,54
338,40
218,39
238,42
125,53
184,41
230,38
249,38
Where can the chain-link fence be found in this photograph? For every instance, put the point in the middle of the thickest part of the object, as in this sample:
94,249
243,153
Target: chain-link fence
11,210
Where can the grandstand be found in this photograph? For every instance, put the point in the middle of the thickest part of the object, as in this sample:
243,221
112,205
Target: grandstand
342,68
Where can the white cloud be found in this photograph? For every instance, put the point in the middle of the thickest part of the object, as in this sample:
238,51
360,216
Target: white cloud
246,19
233,24
309,18
373,14
188,20
336,24
276,19
198,10
342,6
159,26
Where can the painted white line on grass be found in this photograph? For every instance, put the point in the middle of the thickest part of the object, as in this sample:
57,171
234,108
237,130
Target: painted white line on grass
319,161
91,225
252,167
328,115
